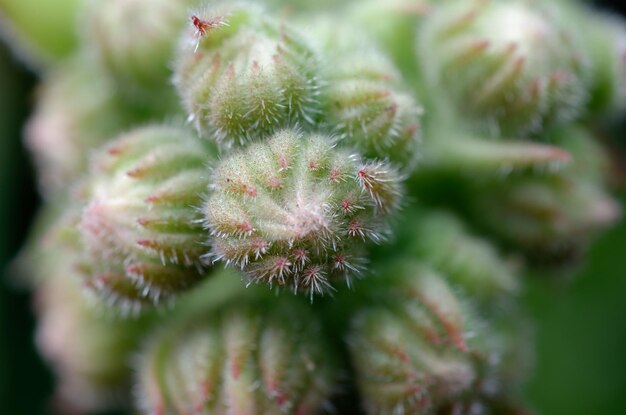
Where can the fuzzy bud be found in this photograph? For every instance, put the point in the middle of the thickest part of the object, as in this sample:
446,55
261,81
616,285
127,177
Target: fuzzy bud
365,104
425,352
75,112
141,225
551,216
242,75
244,360
472,263
295,211
87,348
512,65
134,41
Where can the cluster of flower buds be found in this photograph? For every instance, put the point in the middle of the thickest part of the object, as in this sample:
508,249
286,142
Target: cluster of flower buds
282,143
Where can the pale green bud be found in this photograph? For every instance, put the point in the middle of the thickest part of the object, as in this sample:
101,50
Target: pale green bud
76,111
247,358
242,75
550,216
423,350
472,263
88,349
134,41
365,102
513,66
142,225
295,211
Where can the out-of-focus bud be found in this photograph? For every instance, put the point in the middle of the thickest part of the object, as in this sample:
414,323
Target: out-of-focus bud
425,351
247,358
89,349
365,103
472,263
295,211
76,112
513,66
550,216
142,225
134,41
242,75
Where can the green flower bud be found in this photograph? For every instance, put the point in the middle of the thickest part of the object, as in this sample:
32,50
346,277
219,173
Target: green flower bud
141,225
472,263
242,75
297,212
75,112
88,349
247,359
513,65
134,40
550,216
365,103
425,352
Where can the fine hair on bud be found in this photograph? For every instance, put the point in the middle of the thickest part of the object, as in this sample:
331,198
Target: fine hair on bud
296,211
141,225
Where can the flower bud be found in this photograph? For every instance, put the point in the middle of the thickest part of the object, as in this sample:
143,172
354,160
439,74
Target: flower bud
134,40
512,65
365,103
76,111
242,76
141,224
246,359
295,211
551,216
441,240
88,349
424,351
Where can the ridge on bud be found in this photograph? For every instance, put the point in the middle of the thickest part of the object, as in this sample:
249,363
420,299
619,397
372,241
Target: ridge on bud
242,75
245,359
141,224
297,212
513,65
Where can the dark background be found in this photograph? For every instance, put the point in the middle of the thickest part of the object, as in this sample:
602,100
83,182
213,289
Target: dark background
581,324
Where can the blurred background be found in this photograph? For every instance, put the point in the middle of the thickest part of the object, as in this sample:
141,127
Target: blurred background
580,367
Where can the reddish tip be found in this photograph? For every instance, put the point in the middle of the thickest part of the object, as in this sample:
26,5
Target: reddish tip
204,26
